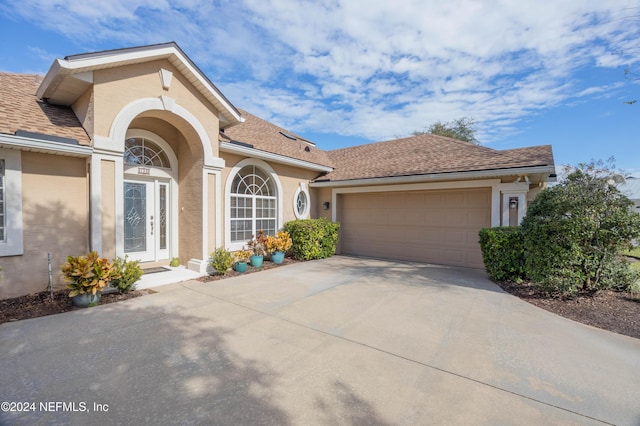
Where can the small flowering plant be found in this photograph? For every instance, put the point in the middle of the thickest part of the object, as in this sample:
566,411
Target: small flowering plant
243,255
281,242
257,244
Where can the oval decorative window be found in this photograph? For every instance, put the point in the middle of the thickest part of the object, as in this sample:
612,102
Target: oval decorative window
301,203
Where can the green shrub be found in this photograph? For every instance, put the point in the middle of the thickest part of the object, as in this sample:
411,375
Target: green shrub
312,238
575,231
221,260
128,272
503,253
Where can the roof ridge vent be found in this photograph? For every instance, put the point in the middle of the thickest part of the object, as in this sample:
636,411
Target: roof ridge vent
288,136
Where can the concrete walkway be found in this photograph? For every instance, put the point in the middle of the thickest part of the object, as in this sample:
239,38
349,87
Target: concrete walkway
339,341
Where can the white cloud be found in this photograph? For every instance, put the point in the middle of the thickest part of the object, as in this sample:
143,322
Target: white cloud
376,70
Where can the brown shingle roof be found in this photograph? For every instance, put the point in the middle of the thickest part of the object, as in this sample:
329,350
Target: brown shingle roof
428,154
268,137
21,110
418,155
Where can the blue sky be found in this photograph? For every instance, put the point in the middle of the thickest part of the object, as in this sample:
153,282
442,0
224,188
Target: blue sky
342,74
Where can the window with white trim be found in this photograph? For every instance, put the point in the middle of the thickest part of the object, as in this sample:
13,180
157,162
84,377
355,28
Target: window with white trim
301,203
253,202
11,236
3,222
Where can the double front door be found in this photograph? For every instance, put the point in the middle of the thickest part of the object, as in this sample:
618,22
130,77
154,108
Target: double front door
146,219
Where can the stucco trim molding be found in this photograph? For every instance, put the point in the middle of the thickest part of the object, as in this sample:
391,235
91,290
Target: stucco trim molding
120,125
517,190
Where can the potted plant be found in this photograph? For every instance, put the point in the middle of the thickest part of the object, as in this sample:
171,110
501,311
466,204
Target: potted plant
87,276
242,258
256,245
278,245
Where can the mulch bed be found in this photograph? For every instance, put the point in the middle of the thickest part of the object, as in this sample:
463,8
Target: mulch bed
250,270
610,310
40,304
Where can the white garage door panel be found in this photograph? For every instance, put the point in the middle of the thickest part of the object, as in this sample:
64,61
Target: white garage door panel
428,226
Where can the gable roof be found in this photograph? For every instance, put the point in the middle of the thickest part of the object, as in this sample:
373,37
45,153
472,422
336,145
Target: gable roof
261,135
21,110
70,77
429,154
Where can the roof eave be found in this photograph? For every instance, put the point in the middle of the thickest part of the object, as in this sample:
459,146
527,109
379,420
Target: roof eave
49,147
468,175
276,158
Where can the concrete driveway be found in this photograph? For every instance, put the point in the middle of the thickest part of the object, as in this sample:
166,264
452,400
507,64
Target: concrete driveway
339,341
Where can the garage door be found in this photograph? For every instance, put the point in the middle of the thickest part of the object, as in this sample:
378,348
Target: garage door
428,226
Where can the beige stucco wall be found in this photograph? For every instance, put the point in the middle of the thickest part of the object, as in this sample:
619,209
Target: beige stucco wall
83,109
165,130
55,210
117,87
108,191
189,202
318,197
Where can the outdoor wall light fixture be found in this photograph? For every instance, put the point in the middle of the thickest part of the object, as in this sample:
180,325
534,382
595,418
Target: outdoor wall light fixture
513,203
325,205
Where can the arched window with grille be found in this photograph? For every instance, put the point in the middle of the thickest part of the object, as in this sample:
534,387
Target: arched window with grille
143,152
253,204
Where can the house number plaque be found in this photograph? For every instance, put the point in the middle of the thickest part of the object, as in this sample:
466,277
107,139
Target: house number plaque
143,171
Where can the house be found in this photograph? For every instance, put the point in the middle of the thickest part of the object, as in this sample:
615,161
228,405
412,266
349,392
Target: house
631,188
135,152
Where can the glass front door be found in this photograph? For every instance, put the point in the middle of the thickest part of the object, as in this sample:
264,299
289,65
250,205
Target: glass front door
146,230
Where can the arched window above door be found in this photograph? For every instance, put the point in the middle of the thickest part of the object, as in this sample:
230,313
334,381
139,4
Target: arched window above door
143,152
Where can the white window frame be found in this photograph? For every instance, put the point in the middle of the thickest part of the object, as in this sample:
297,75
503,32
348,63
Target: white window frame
13,244
238,245
302,189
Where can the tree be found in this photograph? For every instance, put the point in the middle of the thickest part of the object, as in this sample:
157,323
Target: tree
463,128
576,230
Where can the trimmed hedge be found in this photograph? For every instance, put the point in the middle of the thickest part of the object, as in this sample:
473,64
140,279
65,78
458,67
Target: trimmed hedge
312,238
503,253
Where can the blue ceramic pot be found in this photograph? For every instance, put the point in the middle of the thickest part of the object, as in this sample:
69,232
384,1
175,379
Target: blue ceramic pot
241,267
256,261
277,257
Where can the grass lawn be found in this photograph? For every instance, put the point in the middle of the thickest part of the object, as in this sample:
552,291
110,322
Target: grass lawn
633,253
